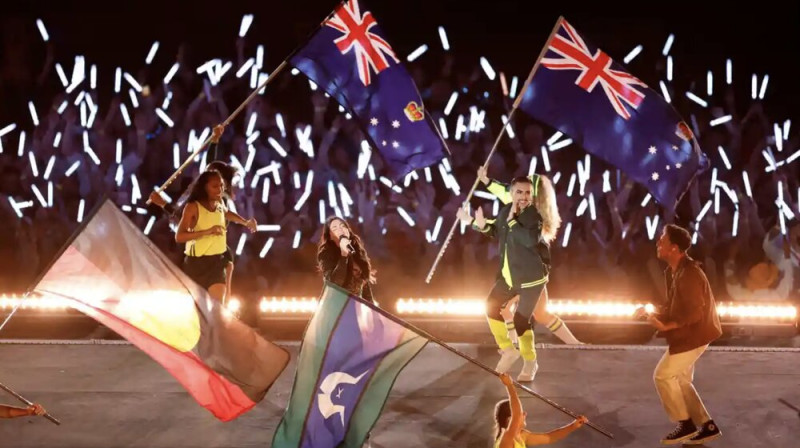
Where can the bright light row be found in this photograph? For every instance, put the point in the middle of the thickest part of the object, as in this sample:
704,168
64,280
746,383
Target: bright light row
459,307
33,303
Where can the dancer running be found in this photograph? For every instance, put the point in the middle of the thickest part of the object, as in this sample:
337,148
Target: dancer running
228,172
203,229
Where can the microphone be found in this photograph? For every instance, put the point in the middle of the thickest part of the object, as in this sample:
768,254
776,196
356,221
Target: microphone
349,246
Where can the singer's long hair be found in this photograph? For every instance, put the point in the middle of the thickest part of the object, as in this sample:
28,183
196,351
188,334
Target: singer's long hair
326,242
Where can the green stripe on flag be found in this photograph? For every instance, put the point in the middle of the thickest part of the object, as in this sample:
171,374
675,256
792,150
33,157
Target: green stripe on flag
374,396
309,363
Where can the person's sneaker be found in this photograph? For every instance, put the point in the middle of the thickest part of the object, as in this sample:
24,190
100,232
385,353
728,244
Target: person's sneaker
507,359
528,372
708,432
684,431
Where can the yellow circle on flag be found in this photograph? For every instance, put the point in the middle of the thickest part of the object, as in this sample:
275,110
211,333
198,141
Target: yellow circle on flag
169,316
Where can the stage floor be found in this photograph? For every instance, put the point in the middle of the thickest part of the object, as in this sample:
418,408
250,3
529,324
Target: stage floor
113,395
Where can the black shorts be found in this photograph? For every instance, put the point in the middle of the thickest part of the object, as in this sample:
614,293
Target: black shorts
207,270
228,255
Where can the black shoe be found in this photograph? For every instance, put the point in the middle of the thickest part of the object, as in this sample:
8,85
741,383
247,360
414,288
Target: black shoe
708,432
684,431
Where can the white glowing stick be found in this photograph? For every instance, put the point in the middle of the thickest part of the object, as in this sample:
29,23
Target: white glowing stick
21,146
443,38
81,206
703,211
240,246
132,81
696,99
34,116
49,167
417,53
664,91
721,120
669,68
487,68
746,180
42,30
668,44
561,144
152,53
763,90
633,53
567,231
39,195
306,192
72,168
274,143
710,83
545,159
729,71
171,73
247,20
450,103
724,157
406,217
34,167
165,118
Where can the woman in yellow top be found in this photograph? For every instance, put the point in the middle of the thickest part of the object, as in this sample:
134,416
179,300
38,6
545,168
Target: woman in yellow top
509,419
203,229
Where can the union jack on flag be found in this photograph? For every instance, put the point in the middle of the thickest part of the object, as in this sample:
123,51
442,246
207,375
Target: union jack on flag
349,58
641,134
618,85
370,49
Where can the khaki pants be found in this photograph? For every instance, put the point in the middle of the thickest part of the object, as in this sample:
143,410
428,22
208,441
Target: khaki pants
673,378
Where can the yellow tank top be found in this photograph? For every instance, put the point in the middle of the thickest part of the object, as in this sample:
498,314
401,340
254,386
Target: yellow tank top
209,244
518,442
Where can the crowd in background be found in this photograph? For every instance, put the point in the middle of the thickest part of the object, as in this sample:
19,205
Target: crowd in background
748,253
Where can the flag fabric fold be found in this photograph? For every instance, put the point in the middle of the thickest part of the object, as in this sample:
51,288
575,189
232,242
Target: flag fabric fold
579,90
350,358
350,59
114,274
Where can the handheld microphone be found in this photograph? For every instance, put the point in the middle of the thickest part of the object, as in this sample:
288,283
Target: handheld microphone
349,246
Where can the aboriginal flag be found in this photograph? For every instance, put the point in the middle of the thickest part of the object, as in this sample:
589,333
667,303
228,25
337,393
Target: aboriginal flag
111,272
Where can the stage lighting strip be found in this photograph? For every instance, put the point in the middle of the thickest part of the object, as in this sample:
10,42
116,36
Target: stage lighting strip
464,307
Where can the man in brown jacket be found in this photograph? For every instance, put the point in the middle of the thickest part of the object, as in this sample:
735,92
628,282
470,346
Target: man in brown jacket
689,322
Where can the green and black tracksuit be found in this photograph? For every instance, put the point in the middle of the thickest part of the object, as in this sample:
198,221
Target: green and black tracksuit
524,268
523,272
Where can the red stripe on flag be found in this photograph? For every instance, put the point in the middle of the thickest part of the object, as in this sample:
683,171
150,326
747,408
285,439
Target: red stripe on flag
211,390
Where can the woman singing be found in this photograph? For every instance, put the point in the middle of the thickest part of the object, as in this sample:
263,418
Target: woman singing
343,260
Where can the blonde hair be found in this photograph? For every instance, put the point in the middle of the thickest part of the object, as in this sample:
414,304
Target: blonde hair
547,206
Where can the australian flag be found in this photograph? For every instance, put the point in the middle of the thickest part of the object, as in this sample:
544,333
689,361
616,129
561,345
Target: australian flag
350,59
580,91
349,360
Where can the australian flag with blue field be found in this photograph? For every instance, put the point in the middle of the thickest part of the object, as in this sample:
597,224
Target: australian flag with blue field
579,90
350,59
351,355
